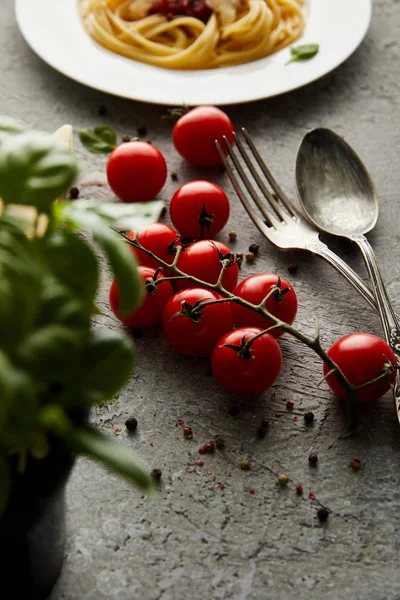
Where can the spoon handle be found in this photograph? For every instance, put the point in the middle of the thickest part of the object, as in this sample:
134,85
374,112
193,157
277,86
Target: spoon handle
389,319
344,269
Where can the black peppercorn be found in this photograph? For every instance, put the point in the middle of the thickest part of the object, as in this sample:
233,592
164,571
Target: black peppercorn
313,459
322,514
174,176
102,110
156,474
74,193
292,268
309,418
220,443
254,248
261,433
131,424
141,130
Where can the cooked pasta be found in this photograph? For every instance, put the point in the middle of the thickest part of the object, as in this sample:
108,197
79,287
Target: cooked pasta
234,32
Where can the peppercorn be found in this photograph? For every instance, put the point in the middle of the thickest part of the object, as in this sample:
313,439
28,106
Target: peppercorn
283,479
355,463
292,268
264,423
239,258
210,447
74,193
299,489
254,248
313,459
290,404
102,110
126,138
322,514
141,130
174,176
188,433
250,257
261,433
220,443
244,465
232,236
156,474
131,424
149,142
309,418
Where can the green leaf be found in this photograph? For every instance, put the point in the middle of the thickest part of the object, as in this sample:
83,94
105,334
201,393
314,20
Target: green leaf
107,363
6,388
100,140
9,126
304,52
60,306
35,170
74,263
5,483
23,412
120,257
136,215
116,457
51,353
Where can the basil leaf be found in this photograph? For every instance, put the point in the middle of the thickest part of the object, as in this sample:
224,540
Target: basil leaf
136,215
100,140
51,353
5,482
35,170
304,52
60,248
9,126
107,363
120,257
115,456
23,412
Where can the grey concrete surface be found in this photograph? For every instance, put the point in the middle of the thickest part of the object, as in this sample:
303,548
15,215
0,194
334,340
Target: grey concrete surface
195,540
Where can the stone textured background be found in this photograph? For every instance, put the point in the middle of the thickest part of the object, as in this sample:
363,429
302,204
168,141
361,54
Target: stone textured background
195,540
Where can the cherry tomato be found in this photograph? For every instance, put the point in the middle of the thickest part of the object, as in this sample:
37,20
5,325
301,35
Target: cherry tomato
136,171
199,209
255,289
160,239
246,372
195,133
195,334
149,313
203,260
361,357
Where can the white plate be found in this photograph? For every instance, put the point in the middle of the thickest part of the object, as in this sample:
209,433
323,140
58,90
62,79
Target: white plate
54,31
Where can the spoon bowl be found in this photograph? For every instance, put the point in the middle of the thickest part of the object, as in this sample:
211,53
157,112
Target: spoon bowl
335,188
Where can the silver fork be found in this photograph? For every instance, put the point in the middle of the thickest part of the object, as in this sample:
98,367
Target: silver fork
287,230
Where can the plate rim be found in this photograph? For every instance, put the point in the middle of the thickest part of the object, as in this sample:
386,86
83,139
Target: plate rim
151,99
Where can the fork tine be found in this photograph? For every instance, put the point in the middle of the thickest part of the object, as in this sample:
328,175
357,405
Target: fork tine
269,197
274,184
269,217
258,222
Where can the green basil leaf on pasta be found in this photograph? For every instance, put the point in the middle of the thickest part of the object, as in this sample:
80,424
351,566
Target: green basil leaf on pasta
304,52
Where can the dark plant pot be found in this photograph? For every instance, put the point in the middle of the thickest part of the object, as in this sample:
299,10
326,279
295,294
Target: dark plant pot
32,529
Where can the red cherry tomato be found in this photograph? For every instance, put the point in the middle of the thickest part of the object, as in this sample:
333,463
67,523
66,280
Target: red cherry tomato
195,133
161,240
195,334
255,289
246,373
149,313
136,171
361,357
203,260
199,209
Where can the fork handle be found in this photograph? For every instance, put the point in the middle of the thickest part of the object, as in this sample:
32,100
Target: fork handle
321,249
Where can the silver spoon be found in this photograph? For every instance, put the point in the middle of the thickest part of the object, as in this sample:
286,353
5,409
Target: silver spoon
339,197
